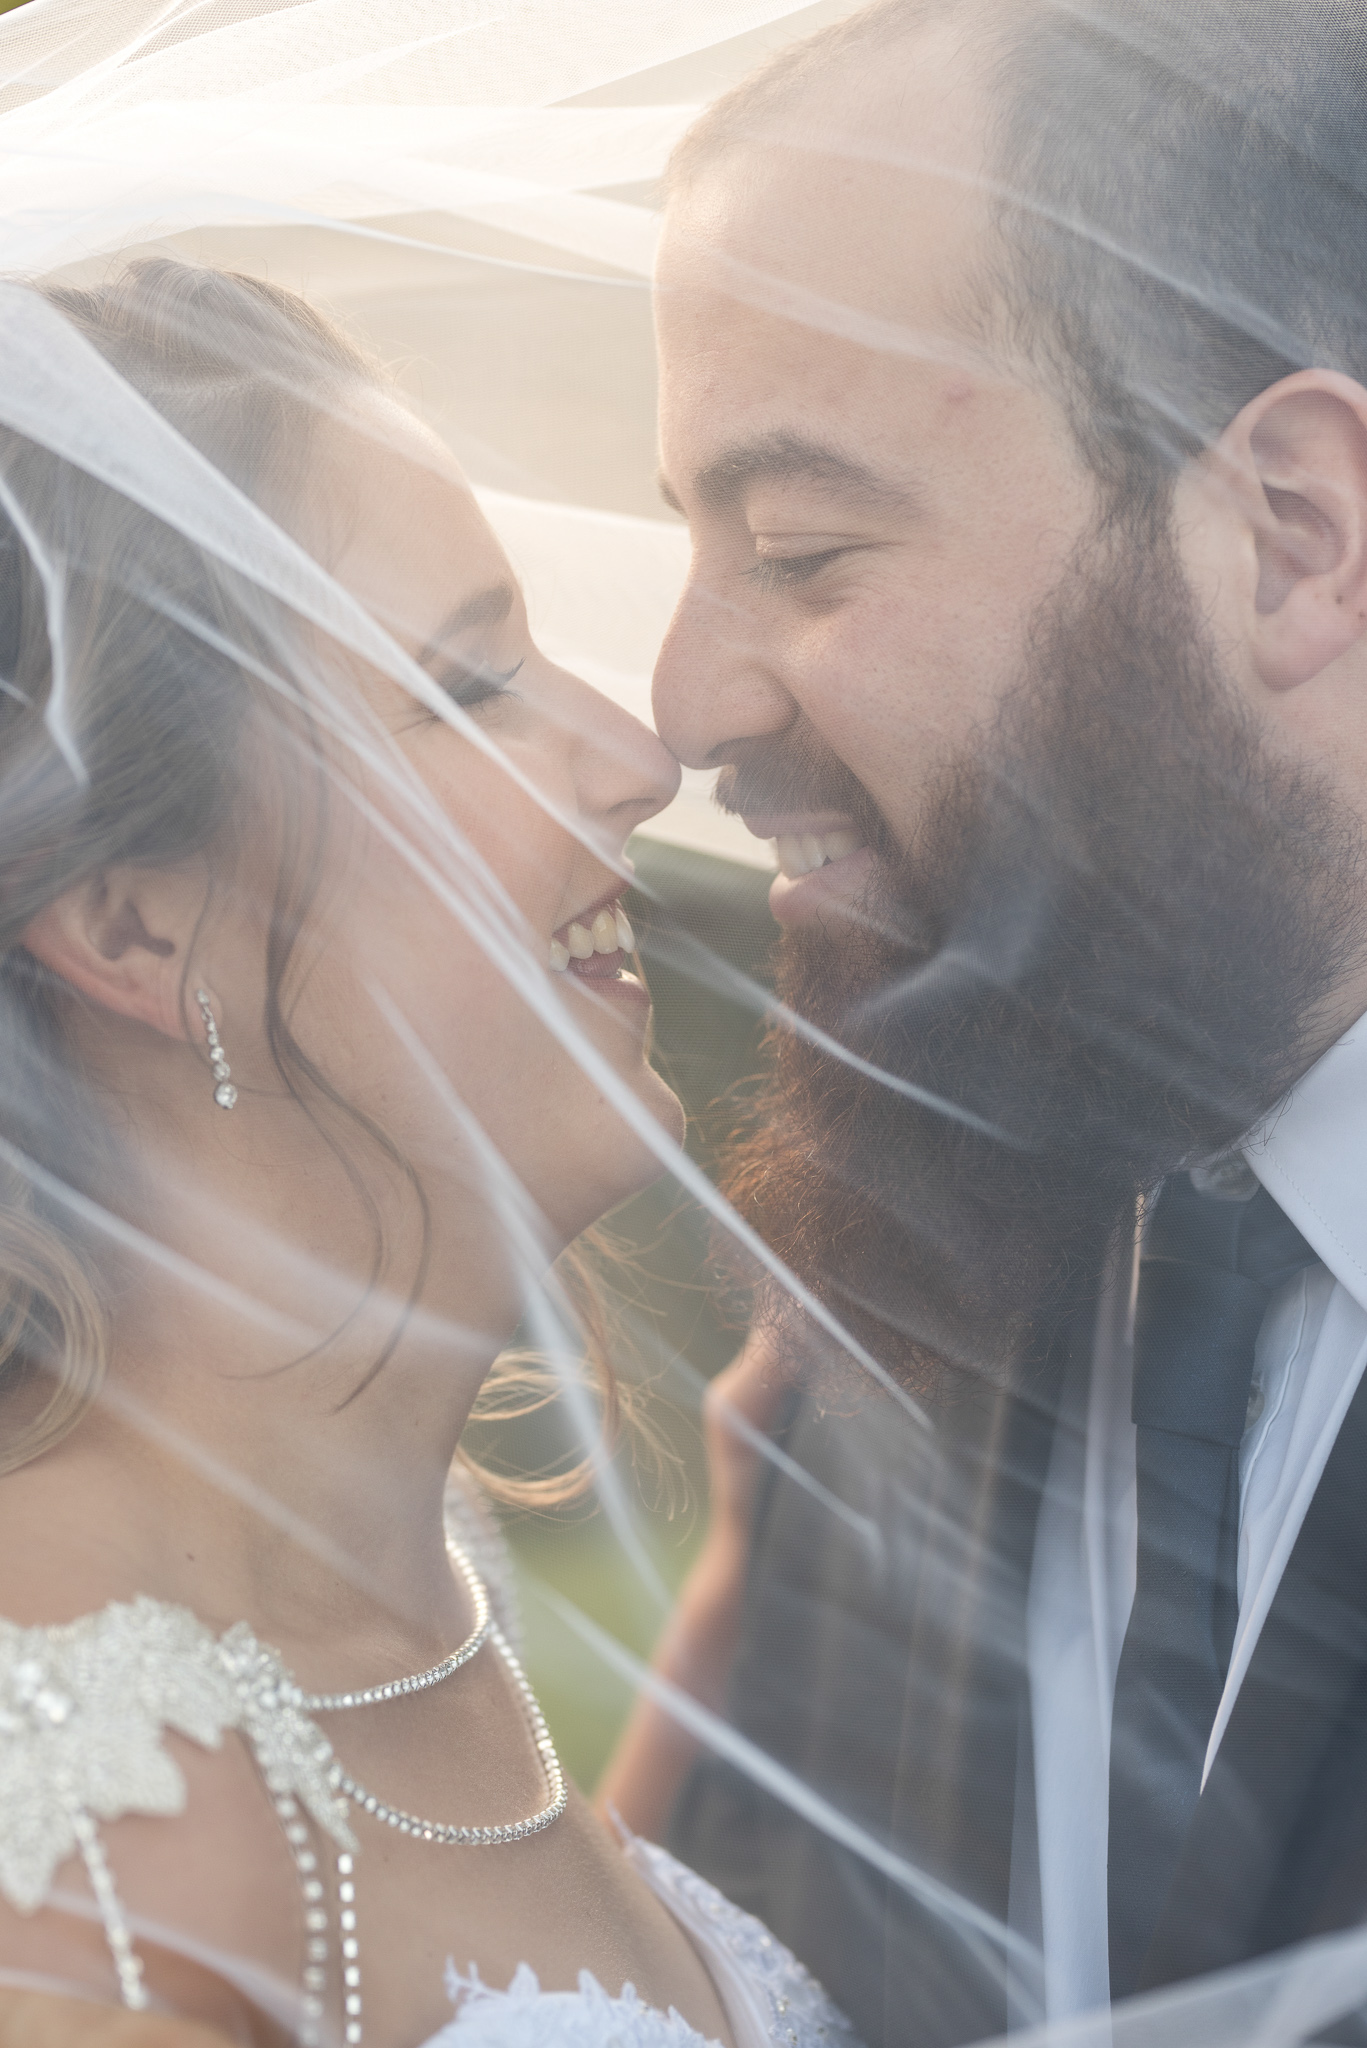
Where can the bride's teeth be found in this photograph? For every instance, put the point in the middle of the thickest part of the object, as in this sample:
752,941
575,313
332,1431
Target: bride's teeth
836,845
560,956
579,942
604,932
812,852
626,937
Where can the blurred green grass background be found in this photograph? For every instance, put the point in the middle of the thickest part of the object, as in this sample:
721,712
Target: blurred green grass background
689,910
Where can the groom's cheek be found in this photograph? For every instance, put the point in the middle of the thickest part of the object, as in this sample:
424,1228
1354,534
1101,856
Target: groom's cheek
893,688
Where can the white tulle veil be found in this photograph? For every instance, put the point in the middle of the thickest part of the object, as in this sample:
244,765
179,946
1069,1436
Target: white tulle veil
469,187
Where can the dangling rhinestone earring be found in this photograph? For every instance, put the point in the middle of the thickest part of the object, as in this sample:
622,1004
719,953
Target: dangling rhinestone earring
225,1095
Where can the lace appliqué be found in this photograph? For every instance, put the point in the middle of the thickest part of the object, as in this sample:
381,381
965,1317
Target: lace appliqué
83,1712
525,2016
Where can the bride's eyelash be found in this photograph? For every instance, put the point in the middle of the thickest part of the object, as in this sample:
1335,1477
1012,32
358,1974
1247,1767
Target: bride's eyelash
781,572
472,688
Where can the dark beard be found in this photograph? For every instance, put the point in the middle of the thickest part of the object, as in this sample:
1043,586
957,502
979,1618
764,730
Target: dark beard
1108,942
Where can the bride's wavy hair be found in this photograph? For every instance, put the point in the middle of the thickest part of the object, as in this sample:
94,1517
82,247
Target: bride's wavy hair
128,649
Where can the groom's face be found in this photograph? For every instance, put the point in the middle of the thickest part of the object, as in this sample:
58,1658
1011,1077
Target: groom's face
879,496
1012,724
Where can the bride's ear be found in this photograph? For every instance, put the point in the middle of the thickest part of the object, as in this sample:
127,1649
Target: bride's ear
120,936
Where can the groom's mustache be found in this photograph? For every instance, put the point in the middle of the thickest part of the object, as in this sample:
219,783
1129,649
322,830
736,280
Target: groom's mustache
797,773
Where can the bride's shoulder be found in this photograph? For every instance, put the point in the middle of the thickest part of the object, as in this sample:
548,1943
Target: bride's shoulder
752,1967
771,2000
84,1706
131,1713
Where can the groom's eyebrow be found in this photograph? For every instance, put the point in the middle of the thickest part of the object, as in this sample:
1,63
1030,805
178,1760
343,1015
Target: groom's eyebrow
728,479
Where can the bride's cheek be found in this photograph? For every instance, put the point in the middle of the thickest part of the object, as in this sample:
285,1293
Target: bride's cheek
489,805
517,833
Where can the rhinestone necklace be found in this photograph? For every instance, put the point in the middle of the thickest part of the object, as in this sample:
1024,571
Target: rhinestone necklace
297,1833
448,1832
486,1628
333,1702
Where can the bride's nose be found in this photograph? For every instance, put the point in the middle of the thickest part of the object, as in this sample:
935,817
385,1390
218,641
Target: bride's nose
623,772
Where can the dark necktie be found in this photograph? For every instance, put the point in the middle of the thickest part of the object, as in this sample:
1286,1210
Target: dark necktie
1209,1267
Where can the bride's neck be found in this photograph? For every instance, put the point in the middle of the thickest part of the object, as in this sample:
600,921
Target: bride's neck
277,1421
220,1472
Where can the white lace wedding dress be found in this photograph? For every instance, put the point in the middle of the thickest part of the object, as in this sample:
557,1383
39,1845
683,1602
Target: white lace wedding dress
83,1712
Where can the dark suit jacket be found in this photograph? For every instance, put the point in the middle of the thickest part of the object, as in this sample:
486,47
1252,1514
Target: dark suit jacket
892,1679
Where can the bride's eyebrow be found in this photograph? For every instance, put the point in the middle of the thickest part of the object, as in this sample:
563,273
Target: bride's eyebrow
486,608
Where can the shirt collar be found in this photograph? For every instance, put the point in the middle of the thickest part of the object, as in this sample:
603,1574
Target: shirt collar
1311,1156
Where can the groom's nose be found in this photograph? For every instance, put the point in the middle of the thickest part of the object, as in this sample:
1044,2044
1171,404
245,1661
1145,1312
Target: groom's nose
715,682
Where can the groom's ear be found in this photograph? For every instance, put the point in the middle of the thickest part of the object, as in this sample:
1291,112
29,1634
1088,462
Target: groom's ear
1295,462
120,936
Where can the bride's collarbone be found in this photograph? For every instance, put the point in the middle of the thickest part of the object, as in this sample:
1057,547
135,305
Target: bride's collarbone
220,1878
562,1901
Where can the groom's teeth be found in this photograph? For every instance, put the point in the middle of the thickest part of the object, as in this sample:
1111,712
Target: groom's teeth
801,853
626,937
605,932
579,942
560,956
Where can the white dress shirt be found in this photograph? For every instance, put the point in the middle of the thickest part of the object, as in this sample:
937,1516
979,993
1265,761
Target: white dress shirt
1312,1348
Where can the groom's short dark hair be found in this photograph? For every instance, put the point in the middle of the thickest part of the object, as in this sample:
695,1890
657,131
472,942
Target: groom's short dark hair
1181,187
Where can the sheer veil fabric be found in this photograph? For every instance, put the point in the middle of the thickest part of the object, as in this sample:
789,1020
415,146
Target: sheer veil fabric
469,187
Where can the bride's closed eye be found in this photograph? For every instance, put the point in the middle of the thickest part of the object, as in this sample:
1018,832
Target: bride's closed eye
475,687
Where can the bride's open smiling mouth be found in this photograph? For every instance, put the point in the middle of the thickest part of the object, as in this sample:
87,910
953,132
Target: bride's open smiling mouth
594,948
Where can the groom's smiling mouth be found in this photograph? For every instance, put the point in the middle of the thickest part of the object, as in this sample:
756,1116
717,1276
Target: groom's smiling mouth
824,861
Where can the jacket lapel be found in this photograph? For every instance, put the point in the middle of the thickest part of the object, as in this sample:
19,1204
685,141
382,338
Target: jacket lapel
1275,1851
965,1723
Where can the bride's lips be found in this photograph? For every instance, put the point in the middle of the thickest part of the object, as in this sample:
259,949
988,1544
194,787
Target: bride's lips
824,864
594,946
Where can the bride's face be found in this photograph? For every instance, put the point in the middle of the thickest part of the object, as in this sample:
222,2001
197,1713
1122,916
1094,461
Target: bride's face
411,1017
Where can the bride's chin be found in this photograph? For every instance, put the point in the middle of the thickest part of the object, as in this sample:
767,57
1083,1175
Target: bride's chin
641,1165
624,1163
668,1112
